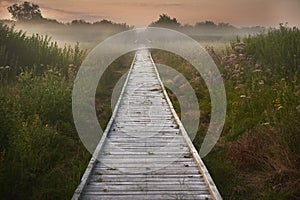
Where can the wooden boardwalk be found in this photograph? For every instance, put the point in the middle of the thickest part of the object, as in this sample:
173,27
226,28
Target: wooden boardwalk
145,152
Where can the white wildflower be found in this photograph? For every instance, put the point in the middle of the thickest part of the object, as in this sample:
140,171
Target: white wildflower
261,82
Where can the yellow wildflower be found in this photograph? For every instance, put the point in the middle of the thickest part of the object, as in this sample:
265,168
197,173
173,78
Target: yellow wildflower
277,105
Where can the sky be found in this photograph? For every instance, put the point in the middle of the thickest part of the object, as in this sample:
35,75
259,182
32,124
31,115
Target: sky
141,13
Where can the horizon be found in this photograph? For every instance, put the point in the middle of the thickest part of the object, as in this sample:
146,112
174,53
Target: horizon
140,14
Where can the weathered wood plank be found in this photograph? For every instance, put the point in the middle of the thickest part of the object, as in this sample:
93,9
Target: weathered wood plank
144,154
149,197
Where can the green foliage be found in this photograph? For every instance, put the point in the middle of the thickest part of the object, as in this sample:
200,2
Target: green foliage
47,95
41,157
8,123
36,52
279,49
25,11
40,154
257,156
166,21
261,76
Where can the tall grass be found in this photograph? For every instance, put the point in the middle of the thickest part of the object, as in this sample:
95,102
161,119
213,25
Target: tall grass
19,52
278,48
258,154
41,156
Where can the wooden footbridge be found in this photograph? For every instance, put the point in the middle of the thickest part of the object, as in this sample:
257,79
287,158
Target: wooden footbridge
145,152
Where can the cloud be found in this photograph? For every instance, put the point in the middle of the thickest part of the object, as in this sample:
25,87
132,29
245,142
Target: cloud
50,12
159,4
67,15
3,7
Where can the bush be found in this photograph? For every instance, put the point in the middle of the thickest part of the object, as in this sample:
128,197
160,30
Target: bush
41,157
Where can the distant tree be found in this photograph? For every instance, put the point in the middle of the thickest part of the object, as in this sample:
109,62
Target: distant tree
206,24
104,22
166,21
225,25
25,11
79,22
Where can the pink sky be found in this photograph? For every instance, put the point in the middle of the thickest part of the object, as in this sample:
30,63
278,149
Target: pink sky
141,12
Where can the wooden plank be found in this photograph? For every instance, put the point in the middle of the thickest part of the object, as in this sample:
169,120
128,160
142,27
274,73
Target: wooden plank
186,192
150,184
117,189
182,170
210,183
144,153
149,197
85,177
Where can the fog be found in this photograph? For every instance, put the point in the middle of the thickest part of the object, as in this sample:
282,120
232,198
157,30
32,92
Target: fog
89,35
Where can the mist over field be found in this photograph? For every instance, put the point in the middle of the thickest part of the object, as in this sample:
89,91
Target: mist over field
88,35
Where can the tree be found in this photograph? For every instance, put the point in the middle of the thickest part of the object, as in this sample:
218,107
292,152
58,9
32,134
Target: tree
25,11
79,22
206,24
165,21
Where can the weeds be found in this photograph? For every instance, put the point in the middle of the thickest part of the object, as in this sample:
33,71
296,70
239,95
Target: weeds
20,52
258,154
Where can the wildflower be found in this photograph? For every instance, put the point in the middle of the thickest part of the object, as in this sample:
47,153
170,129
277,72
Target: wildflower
277,105
268,71
196,79
261,82
37,117
235,103
227,67
242,56
265,124
298,108
232,55
239,47
257,70
243,96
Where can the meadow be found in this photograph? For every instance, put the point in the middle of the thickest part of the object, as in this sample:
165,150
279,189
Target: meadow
257,156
